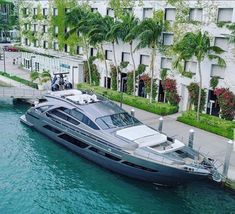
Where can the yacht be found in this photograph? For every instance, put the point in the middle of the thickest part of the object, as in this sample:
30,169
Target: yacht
99,130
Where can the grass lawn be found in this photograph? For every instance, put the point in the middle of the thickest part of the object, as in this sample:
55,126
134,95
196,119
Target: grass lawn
138,102
18,79
209,123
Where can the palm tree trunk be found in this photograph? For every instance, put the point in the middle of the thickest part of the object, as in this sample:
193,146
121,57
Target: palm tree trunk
106,66
115,64
199,91
152,73
89,68
134,67
88,62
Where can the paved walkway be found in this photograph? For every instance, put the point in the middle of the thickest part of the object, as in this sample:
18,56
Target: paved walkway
14,69
208,143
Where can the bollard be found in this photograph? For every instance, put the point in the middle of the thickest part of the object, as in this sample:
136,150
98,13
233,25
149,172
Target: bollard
160,126
227,157
133,112
191,138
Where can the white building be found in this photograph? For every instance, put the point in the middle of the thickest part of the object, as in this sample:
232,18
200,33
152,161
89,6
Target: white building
207,15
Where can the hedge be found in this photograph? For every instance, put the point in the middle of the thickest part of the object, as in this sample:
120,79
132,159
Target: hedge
209,123
138,102
18,79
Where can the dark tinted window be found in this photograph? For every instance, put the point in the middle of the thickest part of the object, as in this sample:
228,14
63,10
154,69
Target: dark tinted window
138,166
83,118
117,120
104,154
52,129
59,113
73,140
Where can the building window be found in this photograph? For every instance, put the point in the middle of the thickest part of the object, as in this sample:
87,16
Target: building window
108,55
125,57
190,66
93,51
36,66
35,28
44,12
56,46
36,43
26,41
45,44
66,29
222,43
67,10
225,14
25,11
144,59
218,71
79,50
195,14
168,38
44,28
109,82
94,9
35,11
166,63
170,14
55,12
147,13
27,64
110,12
66,48
26,27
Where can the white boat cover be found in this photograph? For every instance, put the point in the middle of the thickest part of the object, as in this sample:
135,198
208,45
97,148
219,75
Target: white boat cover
65,92
142,135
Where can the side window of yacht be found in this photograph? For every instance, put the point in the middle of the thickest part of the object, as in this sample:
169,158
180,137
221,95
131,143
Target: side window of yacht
88,122
75,113
59,113
81,117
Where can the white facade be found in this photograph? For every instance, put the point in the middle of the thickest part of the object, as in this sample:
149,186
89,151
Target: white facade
205,14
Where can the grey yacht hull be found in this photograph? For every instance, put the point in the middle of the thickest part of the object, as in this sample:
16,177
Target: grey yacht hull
111,158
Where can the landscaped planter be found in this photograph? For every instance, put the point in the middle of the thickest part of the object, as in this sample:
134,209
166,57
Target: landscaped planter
138,102
209,123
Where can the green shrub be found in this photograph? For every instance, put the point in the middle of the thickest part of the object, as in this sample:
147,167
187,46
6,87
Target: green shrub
18,79
138,102
209,123
129,83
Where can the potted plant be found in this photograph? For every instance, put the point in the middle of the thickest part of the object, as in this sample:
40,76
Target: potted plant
43,77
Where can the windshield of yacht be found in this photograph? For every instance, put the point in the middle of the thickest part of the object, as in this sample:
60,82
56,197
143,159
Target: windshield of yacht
117,120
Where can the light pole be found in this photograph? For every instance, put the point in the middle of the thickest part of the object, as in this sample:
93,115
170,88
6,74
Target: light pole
4,60
32,63
122,88
74,67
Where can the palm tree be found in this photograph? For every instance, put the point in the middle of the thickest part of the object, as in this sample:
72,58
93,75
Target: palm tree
43,77
232,33
81,19
128,33
112,36
98,35
151,30
197,45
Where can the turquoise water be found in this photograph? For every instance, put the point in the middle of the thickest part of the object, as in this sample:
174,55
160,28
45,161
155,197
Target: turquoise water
38,176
